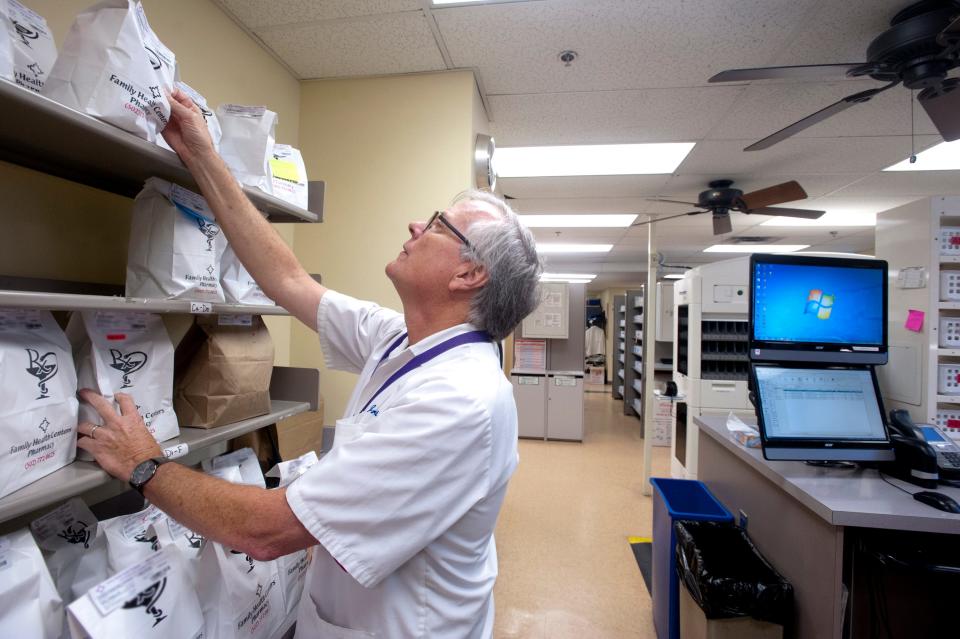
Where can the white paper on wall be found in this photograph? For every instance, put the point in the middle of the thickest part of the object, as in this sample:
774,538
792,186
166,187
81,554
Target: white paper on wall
249,135
176,245
38,398
126,352
29,603
153,598
112,66
27,50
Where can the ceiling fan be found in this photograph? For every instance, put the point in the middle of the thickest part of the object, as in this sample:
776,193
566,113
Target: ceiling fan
919,49
721,198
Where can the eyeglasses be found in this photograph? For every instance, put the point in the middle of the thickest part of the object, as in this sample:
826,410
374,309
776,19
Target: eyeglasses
438,215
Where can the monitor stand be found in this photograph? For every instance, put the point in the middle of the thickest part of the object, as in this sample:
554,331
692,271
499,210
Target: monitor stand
845,465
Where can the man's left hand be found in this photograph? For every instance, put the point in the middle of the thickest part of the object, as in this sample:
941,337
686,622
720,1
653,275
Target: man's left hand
122,441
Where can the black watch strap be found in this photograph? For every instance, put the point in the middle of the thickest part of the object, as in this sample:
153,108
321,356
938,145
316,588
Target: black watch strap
145,471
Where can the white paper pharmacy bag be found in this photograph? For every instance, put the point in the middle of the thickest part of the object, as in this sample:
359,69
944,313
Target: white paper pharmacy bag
289,175
170,532
126,352
213,124
240,597
244,459
153,598
28,45
288,471
239,286
38,398
29,604
129,540
112,66
249,135
175,247
74,548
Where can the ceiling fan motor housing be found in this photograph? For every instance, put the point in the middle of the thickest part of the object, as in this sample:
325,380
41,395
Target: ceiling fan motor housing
720,197
909,50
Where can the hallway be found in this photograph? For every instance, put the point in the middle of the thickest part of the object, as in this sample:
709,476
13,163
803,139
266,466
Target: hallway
566,569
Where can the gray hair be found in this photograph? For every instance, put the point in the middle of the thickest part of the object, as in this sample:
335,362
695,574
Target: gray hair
508,252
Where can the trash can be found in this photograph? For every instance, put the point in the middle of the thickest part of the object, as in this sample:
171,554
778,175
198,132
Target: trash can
675,499
730,591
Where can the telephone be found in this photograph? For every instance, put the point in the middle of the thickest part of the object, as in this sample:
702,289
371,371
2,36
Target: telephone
945,451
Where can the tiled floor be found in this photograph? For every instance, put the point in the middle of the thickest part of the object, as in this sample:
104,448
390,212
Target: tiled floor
566,569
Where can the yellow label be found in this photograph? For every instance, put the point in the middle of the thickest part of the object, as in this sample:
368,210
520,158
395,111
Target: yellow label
284,170
639,540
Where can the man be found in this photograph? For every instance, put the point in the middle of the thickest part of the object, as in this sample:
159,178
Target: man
402,510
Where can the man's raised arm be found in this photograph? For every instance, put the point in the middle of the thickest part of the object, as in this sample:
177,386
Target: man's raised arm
261,250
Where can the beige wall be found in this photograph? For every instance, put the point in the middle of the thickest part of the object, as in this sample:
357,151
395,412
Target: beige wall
60,230
388,149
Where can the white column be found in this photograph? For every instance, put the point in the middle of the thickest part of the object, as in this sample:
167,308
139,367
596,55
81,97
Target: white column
649,353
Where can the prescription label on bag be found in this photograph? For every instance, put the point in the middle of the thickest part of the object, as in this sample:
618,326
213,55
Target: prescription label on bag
176,451
235,320
17,319
118,324
144,581
284,169
201,308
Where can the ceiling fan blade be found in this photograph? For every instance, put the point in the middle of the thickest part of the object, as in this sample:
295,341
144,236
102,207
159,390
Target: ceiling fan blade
660,199
721,223
950,37
806,214
818,117
787,192
669,217
801,72
943,108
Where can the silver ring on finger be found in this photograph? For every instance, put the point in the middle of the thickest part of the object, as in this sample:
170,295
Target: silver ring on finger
94,429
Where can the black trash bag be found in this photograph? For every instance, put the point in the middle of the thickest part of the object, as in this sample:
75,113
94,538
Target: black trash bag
726,574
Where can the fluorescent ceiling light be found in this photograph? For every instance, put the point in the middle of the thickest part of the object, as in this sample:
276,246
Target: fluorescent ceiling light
543,247
568,280
850,217
595,159
673,276
566,276
755,248
568,221
942,157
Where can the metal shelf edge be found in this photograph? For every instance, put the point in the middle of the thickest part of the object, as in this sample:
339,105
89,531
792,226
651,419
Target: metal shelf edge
80,476
70,301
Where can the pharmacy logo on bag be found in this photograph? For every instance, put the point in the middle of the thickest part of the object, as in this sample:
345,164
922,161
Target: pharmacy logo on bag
819,304
35,69
127,364
148,599
44,425
248,558
209,229
43,367
143,539
26,34
76,533
193,539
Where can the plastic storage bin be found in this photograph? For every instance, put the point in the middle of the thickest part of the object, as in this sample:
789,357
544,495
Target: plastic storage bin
948,379
950,286
675,500
949,332
950,240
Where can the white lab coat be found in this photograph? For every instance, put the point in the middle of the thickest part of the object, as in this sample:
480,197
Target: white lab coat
405,504
594,341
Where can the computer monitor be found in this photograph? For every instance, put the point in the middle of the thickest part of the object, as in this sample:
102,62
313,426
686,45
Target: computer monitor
817,413
818,309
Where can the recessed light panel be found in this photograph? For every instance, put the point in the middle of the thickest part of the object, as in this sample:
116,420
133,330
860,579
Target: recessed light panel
755,248
596,159
568,221
942,157
549,247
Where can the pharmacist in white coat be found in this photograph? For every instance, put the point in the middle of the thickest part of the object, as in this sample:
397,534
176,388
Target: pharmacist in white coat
402,510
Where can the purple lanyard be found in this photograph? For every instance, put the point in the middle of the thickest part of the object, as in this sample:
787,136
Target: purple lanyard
424,357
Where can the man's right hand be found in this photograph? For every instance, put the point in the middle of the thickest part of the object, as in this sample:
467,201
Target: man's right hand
186,132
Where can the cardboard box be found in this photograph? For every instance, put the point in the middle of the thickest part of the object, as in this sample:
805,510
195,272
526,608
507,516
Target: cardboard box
298,434
595,375
695,625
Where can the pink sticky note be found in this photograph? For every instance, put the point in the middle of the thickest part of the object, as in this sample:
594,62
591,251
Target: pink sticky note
914,321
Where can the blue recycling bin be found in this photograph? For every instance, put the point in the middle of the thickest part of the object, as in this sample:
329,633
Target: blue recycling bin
675,499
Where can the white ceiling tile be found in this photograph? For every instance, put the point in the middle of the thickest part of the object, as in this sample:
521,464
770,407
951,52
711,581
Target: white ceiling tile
398,43
796,156
609,117
259,13
912,183
599,186
585,236
764,109
527,206
623,44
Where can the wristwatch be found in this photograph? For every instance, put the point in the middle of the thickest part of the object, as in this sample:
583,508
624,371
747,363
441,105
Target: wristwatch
145,471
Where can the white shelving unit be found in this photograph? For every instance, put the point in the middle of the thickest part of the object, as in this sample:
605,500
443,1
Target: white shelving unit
619,309
908,238
633,367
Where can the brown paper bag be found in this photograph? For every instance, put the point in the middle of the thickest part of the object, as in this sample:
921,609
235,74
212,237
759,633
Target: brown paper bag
223,367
